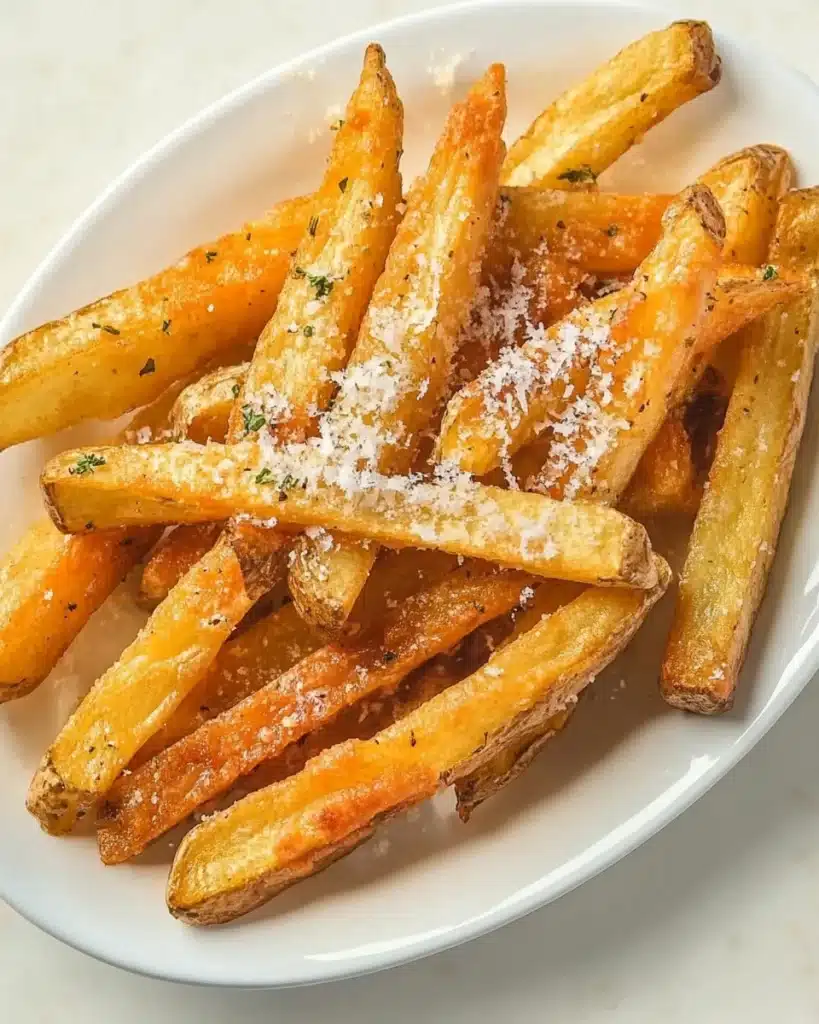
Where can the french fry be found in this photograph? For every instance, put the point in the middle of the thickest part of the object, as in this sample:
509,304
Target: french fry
672,472
172,557
400,368
274,644
158,483
125,349
242,857
516,397
285,382
202,410
161,793
589,126
51,584
722,583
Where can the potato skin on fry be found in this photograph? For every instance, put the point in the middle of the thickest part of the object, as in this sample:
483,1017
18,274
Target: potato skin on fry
722,585
240,858
589,126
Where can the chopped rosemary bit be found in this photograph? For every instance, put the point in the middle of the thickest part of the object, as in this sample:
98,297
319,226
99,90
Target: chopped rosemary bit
770,273
166,326
86,464
576,175
253,420
211,255
312,225
236,389
343,184
264,476
149,367
105,327
321,283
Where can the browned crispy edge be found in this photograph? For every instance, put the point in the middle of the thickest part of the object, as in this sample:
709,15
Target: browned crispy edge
55,804
706,69
523,737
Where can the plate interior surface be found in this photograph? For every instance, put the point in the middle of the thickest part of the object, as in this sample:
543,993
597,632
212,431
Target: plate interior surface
628,764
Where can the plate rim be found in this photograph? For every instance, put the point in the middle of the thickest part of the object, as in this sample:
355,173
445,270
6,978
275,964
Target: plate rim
523,902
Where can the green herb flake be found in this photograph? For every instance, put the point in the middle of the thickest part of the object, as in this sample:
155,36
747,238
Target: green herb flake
612,230
235,390
343,184
770,273
166,326
312,226
321,283
86,464
253,420
577,175
264,476
105,327
211,255
149,367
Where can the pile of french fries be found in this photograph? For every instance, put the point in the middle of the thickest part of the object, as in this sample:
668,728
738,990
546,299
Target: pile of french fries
399,442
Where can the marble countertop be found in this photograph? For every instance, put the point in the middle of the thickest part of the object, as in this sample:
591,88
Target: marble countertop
675,932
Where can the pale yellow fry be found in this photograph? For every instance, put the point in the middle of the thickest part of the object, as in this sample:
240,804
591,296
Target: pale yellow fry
400,368
736,529
589,126
242,857
181,483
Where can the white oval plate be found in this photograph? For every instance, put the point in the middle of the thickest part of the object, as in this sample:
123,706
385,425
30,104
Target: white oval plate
628,764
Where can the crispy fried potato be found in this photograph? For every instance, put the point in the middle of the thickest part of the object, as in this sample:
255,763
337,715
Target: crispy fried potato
186,631
279,640
124,350
589,126
172,557
602,232
50,584
240,858
515,397
158,483
161,793
399,371
670,476
202,410
722,583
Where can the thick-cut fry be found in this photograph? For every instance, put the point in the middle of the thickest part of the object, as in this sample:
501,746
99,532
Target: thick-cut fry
736,530
50,584
334,270
164,791
124,350
399,371
238,859
515,397
275,643
589,126
173,556
602,232
202,410
157,483
672,472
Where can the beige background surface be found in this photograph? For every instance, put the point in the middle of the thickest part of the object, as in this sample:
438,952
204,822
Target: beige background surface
717,918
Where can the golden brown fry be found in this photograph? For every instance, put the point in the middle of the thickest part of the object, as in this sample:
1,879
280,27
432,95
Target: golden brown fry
400,368
124,350
50,584
239,859
172,557
672,472
589,126
735,533
594,347
202,410
275,643
164,791
140,486
348,242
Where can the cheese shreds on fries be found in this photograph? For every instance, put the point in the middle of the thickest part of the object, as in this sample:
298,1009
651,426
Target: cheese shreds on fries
242,857
722,584
589,126
328,285
397,441
399,370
